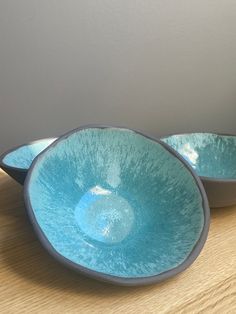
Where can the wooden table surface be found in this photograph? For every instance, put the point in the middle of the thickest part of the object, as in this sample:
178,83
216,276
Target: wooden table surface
33,282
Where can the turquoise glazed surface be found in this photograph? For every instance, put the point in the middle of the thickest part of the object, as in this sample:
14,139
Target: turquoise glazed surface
23,156
115,202
211,155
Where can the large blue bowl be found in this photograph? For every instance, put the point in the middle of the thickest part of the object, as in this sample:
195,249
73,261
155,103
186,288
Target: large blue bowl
117,205
16,161
213,157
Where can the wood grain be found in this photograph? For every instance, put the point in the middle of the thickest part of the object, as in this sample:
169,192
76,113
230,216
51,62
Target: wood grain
32,282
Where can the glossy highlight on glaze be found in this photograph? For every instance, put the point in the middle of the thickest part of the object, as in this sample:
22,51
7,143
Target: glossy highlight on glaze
115,202
210,155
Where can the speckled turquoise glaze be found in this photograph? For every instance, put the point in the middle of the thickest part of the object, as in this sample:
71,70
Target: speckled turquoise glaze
23,156
115,202
211,155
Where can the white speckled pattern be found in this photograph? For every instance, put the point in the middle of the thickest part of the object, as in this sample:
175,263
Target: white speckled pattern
116,202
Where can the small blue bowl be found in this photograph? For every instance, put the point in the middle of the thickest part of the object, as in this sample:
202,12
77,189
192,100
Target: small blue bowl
117,205
16,161
213,157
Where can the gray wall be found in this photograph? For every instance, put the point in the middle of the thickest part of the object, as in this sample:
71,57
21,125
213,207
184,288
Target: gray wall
160,66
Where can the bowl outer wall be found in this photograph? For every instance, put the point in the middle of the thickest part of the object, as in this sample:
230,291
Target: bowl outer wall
17,175
220,194
102,276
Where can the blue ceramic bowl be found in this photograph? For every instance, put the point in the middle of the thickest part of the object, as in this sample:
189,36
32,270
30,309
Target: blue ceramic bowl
213,157
117,205
17,161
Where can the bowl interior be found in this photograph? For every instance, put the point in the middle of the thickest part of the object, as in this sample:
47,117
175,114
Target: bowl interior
22,156
211,155
116,202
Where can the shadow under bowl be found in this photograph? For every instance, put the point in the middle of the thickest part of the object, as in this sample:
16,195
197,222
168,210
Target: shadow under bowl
117,205
213,157
17,161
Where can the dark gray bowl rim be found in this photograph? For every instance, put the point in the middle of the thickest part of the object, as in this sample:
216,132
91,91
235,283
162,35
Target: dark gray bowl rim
126,281
2,156
204,178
